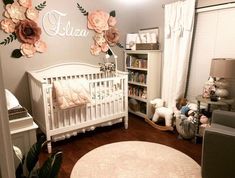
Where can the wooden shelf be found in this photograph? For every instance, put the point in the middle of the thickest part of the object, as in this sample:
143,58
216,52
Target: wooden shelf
139,84
138,98
136,68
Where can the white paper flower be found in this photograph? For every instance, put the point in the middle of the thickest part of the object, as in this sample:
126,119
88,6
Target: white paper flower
99,38
15,12
25,3
40,46
95,50
32,14
27,50
7,25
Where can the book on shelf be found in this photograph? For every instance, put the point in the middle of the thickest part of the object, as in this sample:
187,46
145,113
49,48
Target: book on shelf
138,77
132,61
135,91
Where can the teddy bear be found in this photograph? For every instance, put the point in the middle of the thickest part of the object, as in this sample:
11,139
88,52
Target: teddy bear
161,111
186,108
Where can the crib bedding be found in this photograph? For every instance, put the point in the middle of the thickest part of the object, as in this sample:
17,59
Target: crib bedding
77,92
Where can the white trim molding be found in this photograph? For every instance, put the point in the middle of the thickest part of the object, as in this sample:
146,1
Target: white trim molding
6,150
216,7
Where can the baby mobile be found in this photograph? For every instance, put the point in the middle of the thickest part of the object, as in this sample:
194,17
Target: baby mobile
21,22
106,33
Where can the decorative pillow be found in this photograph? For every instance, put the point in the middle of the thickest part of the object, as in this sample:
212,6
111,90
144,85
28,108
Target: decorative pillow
71,93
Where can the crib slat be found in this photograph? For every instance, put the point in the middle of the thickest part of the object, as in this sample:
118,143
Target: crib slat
105,93
51,109
101,103
96,90
109,97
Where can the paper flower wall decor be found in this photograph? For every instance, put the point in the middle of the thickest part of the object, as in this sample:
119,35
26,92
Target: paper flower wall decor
106,34
20,23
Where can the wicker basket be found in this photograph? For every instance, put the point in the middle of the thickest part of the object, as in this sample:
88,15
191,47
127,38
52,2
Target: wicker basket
147,46
17,113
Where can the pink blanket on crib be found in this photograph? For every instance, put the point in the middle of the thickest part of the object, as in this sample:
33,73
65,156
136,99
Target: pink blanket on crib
71,93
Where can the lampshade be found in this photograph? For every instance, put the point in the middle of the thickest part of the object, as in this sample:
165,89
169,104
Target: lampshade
223,68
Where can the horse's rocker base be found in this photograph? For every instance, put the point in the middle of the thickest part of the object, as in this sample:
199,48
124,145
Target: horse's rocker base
159,127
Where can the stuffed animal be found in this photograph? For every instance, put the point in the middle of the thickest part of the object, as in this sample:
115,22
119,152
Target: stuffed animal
161,111
181,102
187,109
204,121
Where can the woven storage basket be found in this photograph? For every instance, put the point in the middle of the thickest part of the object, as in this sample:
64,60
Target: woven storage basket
17,113
147,46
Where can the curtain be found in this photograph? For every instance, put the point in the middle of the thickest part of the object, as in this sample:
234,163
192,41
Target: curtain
179,22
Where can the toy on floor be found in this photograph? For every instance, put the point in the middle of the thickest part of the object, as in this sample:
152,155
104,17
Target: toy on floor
164,112
186,108
185,122
204,121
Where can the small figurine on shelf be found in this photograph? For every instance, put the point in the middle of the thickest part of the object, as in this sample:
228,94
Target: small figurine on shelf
144,94
209,88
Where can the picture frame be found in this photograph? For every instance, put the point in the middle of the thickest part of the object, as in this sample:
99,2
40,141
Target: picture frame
149,35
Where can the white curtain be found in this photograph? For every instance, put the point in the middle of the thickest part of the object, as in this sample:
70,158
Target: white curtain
179,22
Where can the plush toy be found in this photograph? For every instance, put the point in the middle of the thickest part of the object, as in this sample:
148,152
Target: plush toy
161,111
204,121
181,102
187,109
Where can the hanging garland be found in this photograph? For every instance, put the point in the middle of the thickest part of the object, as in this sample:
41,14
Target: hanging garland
106,34
20,23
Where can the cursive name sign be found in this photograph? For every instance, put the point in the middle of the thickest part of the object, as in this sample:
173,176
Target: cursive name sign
52,25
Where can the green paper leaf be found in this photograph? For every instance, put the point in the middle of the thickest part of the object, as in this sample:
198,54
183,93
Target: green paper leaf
16,53
83,11
41,6
9,39
120,45
8,2
109,52
112,13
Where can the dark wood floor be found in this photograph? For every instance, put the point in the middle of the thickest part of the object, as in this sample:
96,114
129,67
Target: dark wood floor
75,147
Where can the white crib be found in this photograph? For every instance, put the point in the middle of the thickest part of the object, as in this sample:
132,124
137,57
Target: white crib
109,104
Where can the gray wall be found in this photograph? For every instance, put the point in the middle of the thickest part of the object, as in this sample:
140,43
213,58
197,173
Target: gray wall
62,49
131,16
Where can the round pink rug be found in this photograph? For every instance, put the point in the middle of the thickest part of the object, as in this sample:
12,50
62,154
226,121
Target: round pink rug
135,159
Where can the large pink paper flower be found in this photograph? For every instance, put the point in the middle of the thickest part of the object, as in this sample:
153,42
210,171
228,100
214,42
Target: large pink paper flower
27,31
7,25
40,46
25,3
112,21
112,36
32,14
27,50
98,20
95,50
15,12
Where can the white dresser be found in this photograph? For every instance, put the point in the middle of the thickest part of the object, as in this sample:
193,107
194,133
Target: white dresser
23,133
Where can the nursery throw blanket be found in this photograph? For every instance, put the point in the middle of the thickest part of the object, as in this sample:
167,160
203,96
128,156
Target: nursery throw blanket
70,93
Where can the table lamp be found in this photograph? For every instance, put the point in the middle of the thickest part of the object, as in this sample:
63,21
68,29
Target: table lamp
222,68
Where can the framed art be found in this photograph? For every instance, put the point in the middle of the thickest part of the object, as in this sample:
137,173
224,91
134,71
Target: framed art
149,35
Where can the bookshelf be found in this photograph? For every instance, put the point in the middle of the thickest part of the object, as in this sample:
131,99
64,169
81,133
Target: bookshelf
144,80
